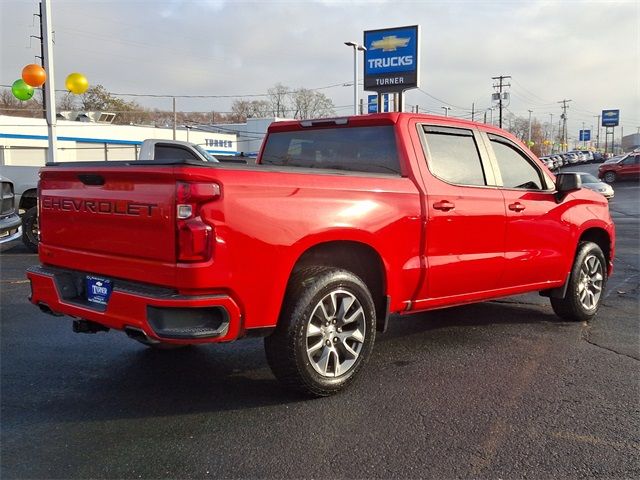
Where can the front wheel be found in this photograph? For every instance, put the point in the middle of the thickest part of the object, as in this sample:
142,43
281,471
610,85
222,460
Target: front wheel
586,285
610,177
325,333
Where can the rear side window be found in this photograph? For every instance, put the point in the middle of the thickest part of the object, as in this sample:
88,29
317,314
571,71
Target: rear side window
515,168
453,155
358,149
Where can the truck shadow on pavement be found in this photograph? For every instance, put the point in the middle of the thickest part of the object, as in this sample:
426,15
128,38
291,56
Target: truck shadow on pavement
110,377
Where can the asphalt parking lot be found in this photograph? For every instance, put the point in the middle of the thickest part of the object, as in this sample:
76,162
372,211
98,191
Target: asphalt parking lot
502,389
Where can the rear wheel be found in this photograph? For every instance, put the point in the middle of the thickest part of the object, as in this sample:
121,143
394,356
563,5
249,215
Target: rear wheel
31,229
610,177
586,285
325,333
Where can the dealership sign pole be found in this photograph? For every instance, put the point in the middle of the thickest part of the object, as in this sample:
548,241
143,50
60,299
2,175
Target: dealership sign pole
391,61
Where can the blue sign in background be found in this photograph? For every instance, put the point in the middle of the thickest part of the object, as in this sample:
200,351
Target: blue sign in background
585,135
610,118
391,59
372,103
387,45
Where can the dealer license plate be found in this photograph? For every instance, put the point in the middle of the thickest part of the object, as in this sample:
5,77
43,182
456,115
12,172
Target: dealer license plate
98,290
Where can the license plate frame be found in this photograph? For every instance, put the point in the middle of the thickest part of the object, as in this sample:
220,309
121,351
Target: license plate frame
98,289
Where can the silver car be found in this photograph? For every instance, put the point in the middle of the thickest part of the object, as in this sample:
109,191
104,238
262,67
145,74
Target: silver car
10,223
592,183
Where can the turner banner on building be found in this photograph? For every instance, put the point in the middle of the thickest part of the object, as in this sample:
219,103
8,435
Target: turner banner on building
391,59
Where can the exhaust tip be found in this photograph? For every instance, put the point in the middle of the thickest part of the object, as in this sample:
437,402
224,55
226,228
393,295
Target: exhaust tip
44,308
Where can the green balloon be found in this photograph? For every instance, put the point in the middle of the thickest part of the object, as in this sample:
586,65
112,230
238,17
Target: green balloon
21,90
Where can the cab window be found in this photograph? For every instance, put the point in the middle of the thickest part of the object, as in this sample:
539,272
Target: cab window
516,169
452,155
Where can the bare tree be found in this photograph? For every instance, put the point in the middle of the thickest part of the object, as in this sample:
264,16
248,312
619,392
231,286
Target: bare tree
279,98
10,105
311,104
243,109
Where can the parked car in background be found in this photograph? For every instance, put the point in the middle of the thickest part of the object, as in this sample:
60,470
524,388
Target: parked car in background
548,162
592,183
628,167
570,158
558,161
9,220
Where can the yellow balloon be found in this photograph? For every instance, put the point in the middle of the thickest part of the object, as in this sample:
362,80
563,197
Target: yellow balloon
77,83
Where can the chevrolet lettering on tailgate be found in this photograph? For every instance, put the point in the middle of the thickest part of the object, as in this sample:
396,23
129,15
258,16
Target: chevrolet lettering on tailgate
115,207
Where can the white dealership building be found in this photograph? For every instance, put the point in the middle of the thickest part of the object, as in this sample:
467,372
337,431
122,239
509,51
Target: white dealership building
24,141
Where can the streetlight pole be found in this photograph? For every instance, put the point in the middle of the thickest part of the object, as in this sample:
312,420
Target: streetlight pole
356,48
446,111
529,137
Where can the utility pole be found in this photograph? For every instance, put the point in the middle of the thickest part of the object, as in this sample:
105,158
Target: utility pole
446,111
49,87
499,86
565,138
41,57
598,134
473,111
584,141
529,137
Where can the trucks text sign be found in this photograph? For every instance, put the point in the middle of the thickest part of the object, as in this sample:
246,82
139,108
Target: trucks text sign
391,59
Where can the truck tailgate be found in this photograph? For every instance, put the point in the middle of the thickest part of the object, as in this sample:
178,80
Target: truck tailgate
122,212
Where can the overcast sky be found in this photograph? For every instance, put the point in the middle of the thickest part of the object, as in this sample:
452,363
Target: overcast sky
588,52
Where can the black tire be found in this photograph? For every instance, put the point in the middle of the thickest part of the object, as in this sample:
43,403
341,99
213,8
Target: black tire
30,231
588,265
610,177
288,351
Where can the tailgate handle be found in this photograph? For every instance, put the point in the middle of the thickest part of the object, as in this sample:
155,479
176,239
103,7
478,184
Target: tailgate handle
91,179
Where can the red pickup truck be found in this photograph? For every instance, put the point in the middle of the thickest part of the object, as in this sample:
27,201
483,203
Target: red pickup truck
340,223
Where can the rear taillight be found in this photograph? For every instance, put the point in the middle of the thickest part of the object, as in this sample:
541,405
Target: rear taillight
195,237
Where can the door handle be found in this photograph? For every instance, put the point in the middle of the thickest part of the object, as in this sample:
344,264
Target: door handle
516,207
444,205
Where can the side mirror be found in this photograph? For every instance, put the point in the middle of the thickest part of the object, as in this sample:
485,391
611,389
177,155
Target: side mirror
566,183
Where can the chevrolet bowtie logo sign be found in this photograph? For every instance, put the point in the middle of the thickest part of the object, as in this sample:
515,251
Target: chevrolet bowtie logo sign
389,44
610,114
391,59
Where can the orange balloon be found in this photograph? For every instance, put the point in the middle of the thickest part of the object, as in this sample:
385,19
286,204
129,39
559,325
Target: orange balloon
34,75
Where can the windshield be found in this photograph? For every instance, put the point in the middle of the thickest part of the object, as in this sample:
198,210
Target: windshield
205,154
586,178
359,149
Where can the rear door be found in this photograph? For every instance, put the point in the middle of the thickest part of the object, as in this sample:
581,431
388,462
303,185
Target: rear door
537,242
466,218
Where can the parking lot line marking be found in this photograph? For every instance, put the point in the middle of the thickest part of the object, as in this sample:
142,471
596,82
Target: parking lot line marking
14,281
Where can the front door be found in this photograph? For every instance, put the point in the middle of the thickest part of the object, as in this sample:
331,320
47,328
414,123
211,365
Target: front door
537,241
